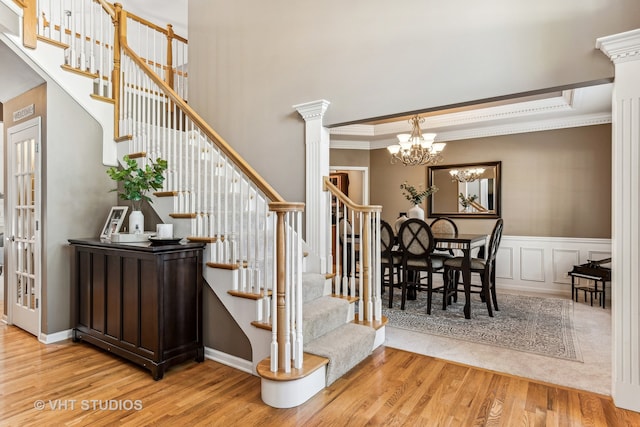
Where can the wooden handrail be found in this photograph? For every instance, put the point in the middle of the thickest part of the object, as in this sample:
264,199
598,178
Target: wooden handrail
108,7
477,206
328,186
156,27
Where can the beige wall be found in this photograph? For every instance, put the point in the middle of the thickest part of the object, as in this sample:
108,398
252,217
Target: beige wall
554,183
250,62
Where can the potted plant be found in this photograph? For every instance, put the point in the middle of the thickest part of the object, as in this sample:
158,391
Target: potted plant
136,182
466,202
416,196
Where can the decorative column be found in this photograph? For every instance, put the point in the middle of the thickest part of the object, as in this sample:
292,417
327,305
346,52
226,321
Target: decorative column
624,51
317,167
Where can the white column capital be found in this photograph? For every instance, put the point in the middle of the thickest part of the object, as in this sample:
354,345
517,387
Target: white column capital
621,47
312,110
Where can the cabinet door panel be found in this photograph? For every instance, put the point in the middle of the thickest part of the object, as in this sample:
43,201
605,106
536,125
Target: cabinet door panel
84,288
181,291
98,290
149,316
130,301
114,294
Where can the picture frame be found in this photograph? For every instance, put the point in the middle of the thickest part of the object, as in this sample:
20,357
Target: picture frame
114,221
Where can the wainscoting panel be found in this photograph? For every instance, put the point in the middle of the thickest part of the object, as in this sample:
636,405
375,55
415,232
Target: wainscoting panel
563,262
532,264
541,264
504,263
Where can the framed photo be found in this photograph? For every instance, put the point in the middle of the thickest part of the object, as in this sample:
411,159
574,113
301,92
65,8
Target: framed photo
114,221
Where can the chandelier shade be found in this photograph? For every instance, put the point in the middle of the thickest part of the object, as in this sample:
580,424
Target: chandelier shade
416,148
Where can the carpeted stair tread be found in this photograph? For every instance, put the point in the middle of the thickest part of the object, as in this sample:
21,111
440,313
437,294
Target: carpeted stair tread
313,285
323,315
345,347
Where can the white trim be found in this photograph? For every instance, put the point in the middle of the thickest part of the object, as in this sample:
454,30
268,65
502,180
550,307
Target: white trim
355,145
288,394
479,132
229,360
55,337
365,178
534,264
624,50
621,47
316,138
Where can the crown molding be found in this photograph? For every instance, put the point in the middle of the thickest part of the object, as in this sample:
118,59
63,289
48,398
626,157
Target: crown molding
621,47
313,109
527,127
558,104
483,132
355,145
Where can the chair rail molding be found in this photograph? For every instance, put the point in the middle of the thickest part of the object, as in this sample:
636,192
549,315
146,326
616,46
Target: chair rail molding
624,51
317,167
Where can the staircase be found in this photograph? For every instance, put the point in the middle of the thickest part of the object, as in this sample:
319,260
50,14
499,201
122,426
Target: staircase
306,329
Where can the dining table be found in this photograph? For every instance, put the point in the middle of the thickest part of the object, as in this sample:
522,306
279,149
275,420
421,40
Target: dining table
464,242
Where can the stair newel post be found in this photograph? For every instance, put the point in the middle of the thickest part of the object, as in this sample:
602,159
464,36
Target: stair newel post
119,27
287,278
169,71
284,350
30,24
377,268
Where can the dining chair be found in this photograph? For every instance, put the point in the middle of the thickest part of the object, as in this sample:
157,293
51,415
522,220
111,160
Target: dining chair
390,260
346,236
445,226
484,267
416,245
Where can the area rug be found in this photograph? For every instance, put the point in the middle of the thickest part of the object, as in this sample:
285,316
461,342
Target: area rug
524,323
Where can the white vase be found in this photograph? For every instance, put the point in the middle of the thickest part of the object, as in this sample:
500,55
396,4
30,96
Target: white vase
136,222
416,212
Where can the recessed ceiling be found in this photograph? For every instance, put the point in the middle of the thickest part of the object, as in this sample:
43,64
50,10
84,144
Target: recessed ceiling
584,106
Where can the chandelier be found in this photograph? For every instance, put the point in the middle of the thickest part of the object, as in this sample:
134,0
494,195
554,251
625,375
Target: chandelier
466,175
416,149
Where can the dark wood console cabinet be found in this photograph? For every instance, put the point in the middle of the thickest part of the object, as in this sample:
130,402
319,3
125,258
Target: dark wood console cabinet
141,302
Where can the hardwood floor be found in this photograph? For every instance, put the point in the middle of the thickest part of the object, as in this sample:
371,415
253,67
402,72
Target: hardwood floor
78,385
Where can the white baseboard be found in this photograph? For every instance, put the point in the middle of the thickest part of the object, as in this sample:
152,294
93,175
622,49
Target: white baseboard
229,360
55,337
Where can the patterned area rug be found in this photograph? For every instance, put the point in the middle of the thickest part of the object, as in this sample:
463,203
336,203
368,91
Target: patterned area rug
524,323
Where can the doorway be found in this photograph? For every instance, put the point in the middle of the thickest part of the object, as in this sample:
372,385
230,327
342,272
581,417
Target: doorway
358,182
23,242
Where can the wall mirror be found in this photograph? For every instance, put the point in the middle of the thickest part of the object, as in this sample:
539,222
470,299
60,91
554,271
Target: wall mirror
470,190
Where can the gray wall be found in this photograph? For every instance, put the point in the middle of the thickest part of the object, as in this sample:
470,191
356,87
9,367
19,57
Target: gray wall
251,61
75,198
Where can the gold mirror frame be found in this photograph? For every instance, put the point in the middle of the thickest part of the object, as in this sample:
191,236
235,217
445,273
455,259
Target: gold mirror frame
446,201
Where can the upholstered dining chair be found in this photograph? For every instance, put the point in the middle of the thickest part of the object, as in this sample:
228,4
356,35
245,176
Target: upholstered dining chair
484,267
390,261
445,226
416,245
